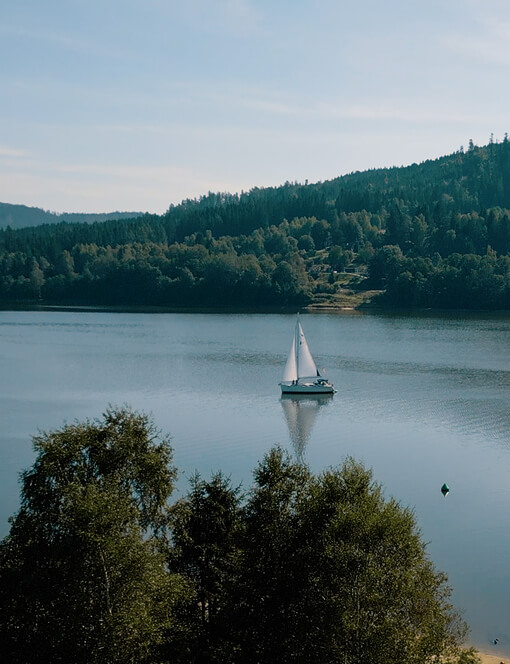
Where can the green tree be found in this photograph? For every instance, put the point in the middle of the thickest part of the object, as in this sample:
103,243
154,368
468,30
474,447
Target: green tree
270,585
371,594
36,278
65,265
339,258
206,529
320,233
334,572
82,572
306,243
385,265
290,282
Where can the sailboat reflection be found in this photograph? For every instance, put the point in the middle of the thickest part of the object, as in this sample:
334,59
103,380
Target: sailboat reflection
300,412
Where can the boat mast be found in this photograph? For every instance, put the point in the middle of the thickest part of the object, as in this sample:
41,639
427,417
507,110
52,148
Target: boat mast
296,343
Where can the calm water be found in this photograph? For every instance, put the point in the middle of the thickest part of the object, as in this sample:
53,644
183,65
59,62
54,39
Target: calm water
421,399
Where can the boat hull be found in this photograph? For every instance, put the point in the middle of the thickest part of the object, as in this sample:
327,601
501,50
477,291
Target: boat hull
307,388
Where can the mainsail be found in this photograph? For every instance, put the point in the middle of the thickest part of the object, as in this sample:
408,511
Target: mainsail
300,362
305,365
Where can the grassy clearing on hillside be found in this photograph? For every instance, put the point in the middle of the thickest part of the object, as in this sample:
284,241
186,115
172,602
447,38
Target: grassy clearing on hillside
340,291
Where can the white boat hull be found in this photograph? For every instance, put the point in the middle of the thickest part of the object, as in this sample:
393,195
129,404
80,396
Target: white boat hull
307,388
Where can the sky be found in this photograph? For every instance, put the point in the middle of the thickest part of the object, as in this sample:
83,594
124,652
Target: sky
134,105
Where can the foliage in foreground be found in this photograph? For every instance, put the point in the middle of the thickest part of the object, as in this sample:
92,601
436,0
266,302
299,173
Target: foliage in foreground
98,567
82,574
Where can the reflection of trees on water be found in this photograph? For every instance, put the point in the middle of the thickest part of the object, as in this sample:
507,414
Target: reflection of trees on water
300,411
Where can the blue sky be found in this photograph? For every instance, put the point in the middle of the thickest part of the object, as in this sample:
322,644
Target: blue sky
137,104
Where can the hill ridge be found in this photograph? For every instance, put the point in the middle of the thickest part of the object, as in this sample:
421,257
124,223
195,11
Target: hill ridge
21,216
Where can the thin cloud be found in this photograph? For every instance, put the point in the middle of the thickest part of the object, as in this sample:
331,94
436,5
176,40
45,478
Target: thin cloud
232,16
161,174
91,187
490,34
410,115
11,152
238,10
486,7
66,42
340,110
491,48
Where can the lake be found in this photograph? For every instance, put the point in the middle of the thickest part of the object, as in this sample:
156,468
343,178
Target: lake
422,399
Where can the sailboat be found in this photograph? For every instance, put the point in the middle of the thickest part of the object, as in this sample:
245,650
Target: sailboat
300,375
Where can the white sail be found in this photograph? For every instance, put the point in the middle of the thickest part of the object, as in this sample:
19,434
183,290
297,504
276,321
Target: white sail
290,370
305,365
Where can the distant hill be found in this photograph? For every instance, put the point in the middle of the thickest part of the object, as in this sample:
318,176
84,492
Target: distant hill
432,235
21,216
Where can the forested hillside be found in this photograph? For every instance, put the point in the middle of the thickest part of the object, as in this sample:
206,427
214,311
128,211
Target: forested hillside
435,234
19,216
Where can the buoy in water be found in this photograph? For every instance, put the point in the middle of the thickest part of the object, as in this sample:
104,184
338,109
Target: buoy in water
445,489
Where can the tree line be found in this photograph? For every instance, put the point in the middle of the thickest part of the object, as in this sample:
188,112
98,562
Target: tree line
459,281
99,565
265,247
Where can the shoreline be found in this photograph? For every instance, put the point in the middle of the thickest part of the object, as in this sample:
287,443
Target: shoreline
310,309
491,658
